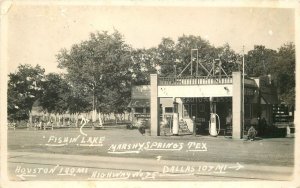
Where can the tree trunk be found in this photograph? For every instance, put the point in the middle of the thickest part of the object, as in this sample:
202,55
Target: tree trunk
30,118
100,119
94,115
63,119
116,120
57,120
76,121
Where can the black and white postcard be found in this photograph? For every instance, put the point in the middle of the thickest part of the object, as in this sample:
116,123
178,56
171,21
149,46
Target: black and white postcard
143,94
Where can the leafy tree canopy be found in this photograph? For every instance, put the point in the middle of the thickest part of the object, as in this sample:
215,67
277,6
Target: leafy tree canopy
284,73
24,88
56,94
259,61
100,69
279,64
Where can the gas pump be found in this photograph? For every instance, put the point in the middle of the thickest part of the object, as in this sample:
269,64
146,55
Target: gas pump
213,119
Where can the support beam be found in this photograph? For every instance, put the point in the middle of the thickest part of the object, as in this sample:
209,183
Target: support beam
154,106
237,126
175,117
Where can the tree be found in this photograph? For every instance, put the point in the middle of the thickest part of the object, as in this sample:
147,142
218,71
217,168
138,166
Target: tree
78,101
173,56
283,71
144,62
206,53
170,56
56,94
167,56
231,61
100,69
259,61
280,64
24,88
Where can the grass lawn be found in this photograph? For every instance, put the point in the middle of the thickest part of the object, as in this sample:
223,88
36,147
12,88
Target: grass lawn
274,151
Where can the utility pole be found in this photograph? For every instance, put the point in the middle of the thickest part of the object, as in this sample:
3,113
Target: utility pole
94,112
243,93
175,73
192,62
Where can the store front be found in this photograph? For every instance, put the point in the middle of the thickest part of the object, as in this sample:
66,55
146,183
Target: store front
205,106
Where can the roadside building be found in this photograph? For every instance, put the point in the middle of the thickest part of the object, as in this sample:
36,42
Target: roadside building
193,101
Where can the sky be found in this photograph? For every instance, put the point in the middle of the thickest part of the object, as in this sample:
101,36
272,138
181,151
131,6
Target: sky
37,33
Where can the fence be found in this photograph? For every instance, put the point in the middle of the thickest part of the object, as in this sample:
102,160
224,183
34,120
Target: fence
47,121
195,80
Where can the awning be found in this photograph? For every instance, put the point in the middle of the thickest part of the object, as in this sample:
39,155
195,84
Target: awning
137,103
268,98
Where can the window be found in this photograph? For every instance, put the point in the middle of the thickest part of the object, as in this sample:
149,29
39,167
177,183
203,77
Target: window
168,109
139,110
